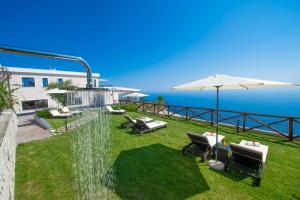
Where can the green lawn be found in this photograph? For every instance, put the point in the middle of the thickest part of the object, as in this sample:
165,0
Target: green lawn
60,122
152,166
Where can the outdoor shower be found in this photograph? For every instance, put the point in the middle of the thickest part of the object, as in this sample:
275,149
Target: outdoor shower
15,50
90,140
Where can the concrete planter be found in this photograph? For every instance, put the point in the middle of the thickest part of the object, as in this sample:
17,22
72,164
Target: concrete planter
42,122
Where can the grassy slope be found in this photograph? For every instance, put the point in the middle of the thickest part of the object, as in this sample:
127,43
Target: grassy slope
152,167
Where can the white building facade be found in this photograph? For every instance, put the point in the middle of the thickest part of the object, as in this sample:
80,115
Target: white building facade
32,84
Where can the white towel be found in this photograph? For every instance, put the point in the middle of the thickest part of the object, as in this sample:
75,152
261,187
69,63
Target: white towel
262,148
252,143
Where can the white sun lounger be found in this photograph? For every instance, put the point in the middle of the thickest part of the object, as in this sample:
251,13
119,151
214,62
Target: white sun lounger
56,114
205,144
143,127
131,122
67,110
211,138
113,111
249,158
261,148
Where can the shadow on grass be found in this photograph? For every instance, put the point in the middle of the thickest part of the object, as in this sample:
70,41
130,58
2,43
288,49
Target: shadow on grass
157,172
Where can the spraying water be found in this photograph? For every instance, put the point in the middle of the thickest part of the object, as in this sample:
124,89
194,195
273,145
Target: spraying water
92,155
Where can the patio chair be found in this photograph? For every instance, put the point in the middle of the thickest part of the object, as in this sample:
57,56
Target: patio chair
201,145
143,127
247,160
73,112
113,111
129,123
132,122
55,114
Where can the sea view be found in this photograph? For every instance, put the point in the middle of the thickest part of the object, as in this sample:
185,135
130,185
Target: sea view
150,100
280,101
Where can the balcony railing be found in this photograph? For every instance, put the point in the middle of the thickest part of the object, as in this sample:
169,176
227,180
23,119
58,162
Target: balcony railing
286,126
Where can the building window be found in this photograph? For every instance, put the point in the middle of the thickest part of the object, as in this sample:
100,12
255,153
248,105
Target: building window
45,82
78,100
35,104
59,80
95,83
28,82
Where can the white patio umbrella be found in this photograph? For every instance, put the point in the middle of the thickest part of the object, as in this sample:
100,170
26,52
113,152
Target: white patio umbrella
56,91
220,81
136,94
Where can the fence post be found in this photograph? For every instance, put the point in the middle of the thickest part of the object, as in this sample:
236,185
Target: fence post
212,117
143,106
66,124
244,122
237,126
154,108
186,112
158,108
291,128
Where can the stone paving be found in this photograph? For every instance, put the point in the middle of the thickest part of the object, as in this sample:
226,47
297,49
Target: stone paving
29,130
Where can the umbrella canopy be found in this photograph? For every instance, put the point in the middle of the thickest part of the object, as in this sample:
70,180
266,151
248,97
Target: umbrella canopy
229,82
219,81
56,91
136,94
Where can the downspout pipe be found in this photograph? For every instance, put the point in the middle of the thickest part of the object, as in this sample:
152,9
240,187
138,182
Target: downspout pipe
89,83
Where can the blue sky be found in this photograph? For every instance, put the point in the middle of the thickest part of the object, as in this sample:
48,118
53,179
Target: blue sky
154,44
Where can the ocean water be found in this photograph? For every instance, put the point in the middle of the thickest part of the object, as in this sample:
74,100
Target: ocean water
280,101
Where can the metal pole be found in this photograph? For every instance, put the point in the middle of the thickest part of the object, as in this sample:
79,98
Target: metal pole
16,50
217,121
66,124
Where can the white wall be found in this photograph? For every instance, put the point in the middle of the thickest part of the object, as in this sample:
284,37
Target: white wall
39,92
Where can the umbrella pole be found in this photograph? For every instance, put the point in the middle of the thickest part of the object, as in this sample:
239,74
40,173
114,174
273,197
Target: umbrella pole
215,164
217,122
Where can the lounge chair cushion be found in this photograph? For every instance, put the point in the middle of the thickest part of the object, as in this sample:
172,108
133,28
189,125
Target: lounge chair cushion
55,113
252,143
155,124
146,119
110,109
262,148
212,138
65,109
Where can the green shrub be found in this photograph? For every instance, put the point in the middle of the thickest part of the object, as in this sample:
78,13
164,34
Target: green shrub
7,97
43,113
127,107
65,85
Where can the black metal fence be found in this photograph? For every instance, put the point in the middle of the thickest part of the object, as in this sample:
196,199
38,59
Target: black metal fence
286,126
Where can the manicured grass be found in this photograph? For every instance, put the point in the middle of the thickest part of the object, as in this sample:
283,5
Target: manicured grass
152,166
59,122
